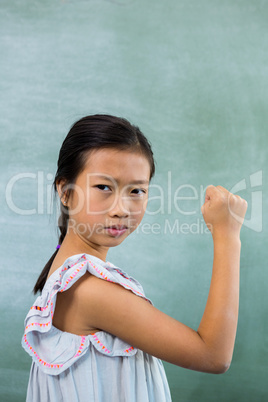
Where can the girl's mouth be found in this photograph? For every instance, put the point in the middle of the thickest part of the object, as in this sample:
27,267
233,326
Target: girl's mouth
116,231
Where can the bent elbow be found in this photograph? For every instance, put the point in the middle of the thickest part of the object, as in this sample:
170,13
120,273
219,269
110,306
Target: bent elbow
221,367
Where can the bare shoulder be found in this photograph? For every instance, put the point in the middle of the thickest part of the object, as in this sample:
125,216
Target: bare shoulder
69,314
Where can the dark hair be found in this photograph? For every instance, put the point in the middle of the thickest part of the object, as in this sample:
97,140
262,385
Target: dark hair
87,134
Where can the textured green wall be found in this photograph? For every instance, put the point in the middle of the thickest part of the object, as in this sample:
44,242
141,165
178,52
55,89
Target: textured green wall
194,76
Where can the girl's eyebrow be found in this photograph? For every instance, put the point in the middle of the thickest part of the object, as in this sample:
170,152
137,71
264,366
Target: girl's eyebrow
132,182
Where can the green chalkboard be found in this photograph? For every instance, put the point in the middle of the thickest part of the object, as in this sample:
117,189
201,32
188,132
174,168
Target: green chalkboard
193,76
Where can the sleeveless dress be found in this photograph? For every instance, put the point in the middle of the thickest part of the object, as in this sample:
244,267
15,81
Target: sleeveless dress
88,368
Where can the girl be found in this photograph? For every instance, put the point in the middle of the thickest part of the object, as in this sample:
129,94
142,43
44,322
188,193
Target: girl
92,333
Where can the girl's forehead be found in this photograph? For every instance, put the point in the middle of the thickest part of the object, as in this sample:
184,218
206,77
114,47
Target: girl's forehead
118,162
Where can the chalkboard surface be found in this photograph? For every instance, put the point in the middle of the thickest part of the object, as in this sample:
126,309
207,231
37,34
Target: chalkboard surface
193,75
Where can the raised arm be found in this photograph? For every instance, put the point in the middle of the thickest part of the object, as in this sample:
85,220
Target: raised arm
223,213
111,308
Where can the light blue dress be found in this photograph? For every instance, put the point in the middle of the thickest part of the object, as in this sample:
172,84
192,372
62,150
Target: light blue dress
91,368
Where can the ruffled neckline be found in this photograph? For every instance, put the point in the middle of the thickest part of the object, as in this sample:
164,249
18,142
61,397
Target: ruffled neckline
81,255
54,350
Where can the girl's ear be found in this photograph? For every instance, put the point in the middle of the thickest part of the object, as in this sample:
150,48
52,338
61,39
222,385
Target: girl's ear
62,191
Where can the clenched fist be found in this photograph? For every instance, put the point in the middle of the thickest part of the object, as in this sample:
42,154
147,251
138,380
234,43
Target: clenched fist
223,211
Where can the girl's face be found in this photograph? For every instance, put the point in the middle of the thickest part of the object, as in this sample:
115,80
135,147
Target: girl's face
108,200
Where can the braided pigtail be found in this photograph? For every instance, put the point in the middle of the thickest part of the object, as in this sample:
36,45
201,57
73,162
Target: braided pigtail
63,227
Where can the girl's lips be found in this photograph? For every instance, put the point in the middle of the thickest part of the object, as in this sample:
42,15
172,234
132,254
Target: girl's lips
116,231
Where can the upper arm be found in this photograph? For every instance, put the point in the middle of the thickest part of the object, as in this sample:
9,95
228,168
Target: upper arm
113,309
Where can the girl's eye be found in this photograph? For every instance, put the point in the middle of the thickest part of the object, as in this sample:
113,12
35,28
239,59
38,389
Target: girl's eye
139,191
103,187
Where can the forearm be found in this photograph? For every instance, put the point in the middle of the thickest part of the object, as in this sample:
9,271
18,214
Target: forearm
219,322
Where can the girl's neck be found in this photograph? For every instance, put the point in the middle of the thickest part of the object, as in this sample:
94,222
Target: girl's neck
69,248
73,244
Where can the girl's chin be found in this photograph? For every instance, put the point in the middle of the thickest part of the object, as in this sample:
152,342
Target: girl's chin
106,240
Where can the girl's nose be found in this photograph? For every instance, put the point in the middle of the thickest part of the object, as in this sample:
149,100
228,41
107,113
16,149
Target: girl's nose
119,208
